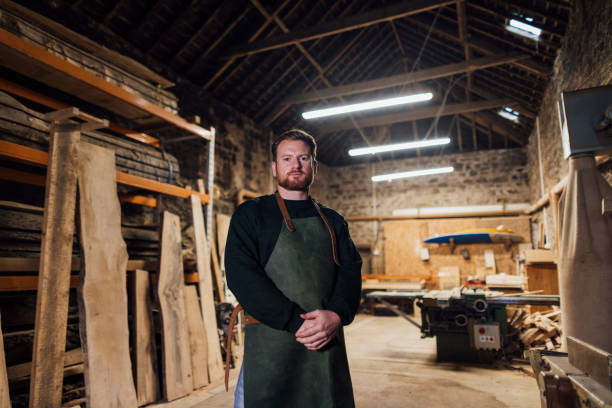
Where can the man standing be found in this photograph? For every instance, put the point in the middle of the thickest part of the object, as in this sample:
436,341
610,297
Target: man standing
294,268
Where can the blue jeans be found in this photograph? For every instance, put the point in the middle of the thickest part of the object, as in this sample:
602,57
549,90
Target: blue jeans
239,393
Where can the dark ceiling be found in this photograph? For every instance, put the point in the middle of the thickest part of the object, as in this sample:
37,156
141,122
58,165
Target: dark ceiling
274,59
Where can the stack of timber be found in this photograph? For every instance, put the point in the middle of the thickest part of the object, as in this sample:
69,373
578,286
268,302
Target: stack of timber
537,330
87,55
24,126
20,234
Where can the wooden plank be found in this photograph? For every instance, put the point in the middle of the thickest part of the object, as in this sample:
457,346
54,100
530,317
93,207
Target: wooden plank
143,339
54,270
54,104
20,372
403,79
401,10
34,156
197,338
219,281
215,365
5,398
415,114
38,63
223,223
102,293
176,359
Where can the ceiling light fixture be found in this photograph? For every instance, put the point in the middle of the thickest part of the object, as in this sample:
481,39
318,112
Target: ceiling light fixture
508,113
398,146
377,104
524,29
414,173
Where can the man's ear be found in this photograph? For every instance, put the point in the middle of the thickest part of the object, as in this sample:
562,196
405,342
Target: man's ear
315,166
273,165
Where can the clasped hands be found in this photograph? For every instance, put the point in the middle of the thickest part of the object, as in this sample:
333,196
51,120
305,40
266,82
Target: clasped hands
318,329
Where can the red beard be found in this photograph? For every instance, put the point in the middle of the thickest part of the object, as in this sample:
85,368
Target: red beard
296,184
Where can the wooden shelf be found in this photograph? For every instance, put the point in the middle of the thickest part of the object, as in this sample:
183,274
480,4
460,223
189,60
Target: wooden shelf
41,65
38,157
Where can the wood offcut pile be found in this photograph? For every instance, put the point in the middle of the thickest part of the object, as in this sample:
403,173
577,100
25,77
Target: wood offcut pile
537,330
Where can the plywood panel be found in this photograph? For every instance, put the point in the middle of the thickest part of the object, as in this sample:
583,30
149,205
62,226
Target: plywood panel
197,338
404,240
102,291
143,347
176,357
542,277
54,270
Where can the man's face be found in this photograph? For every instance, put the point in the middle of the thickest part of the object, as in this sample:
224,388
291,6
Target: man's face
294,167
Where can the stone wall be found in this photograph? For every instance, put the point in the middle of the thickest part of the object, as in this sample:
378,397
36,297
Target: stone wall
584,61
483,177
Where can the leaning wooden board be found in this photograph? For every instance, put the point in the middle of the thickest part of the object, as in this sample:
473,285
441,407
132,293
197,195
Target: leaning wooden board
176,356
215,364
197,338
143,346
5,399
54,270
102,291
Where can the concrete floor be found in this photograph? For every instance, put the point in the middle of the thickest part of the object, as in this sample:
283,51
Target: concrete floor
391,366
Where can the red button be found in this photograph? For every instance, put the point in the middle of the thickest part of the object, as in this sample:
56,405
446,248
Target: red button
481,330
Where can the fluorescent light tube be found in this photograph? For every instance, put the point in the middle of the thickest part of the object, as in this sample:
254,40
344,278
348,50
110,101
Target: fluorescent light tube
377,104
398,146
523,29
414,173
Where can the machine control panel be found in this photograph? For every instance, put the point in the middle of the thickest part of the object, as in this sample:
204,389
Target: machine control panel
487,336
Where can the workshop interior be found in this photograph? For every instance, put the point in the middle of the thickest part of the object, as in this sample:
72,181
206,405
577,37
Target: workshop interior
466,143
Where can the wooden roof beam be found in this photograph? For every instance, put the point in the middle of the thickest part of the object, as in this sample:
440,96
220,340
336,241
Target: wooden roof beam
253,37
415,114
402,79
405,8
483,47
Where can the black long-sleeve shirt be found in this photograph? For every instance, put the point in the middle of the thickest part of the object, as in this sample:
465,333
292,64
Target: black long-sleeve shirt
253,232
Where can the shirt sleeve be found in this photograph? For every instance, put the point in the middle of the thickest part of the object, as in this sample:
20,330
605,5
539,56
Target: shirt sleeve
246,277
346,295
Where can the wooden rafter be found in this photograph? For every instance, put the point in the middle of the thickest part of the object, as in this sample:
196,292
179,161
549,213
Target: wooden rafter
295,77
138,28
352,65
402,79
194,37
240,66
218,40
293,66
417,113
401,10
253,37
482,47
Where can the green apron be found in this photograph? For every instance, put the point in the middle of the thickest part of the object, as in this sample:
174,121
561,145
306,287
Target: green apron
279,371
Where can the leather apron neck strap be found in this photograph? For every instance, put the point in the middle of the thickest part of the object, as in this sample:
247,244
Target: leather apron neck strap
283,209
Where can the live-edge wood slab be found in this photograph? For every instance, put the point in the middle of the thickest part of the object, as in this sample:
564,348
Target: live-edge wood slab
102,291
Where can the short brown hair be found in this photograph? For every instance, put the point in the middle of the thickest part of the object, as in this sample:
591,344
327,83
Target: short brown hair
295,134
